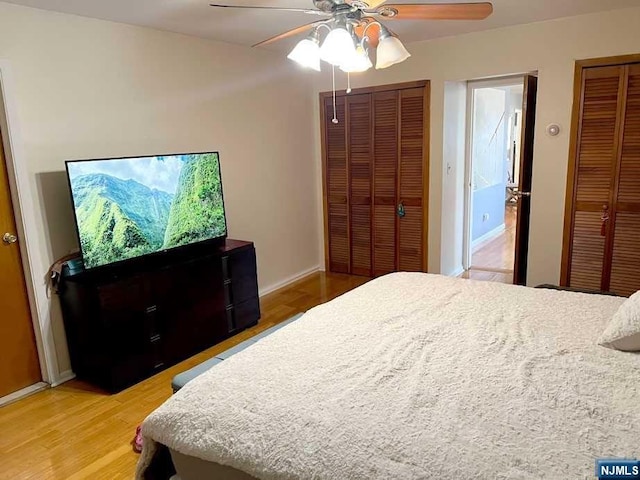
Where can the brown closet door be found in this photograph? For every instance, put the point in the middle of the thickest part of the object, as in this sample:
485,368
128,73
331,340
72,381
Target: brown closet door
385,181
411,226
336,188
594,175
374,173
360,156
625,255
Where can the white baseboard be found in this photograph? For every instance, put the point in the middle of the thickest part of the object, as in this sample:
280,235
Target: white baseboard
23,393
63,377
496,232
283,283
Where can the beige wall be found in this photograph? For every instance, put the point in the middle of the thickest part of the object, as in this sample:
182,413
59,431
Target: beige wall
87,88
551,48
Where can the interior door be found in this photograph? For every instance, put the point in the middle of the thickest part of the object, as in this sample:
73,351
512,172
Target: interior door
524,184
19,367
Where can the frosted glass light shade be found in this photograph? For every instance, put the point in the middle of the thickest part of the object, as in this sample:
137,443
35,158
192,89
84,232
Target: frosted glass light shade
338,47
360,62
307,54
390,51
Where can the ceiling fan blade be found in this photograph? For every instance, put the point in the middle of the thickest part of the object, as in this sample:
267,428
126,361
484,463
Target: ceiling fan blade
287,34
439,11
278,9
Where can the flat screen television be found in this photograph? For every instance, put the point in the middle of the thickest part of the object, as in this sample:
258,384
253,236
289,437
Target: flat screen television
131,207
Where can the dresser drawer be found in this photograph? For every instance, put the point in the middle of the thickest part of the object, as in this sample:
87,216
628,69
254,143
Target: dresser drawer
246,313
242,276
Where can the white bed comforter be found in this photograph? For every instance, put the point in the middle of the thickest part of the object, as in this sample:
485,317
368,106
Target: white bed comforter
416,376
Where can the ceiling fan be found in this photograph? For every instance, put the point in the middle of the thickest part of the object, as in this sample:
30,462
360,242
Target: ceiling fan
354,26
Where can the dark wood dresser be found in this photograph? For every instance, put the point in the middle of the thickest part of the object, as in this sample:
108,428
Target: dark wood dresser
122,328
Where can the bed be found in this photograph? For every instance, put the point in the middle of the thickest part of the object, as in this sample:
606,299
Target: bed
413,376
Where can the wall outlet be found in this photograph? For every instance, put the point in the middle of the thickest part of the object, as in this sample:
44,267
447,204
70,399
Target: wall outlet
485,217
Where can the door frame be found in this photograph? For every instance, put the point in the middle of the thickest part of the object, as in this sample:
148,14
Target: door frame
24,209
425,158
472,85
580,65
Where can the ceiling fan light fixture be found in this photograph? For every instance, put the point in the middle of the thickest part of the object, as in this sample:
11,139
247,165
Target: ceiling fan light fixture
390,50
348,21
307,52
360,62
338,48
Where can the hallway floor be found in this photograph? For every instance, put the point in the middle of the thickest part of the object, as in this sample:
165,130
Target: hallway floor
493,260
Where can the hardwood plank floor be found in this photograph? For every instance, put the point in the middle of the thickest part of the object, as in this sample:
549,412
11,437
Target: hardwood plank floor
493,260
488,276
76,432
498,253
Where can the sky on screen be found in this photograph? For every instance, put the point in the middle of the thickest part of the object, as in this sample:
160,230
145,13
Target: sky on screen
161,173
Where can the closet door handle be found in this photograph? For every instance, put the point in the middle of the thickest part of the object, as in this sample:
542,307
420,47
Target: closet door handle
400,210
604,218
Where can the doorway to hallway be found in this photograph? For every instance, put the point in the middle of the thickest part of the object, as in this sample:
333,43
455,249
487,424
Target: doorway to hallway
499,155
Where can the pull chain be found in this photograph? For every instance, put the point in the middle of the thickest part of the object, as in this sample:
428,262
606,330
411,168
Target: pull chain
348,82
333,79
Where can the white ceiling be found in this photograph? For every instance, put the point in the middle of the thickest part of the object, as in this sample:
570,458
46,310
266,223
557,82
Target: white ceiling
246,27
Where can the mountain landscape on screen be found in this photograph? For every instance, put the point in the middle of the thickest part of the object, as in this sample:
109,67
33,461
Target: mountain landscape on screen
126,208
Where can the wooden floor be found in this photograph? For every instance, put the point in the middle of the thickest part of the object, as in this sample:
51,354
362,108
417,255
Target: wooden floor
488,276
493,260
75,432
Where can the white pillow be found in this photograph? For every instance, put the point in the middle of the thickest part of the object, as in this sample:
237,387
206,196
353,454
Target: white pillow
623,332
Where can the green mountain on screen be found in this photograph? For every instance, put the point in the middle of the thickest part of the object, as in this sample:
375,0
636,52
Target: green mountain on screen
147,208
197,212
107,235
118,219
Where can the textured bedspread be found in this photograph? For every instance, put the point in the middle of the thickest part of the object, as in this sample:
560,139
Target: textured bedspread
415,376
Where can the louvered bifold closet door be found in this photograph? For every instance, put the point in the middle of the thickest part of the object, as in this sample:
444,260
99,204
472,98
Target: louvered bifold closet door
374,175
594,178
337,188
386,106
411,226
625,245
360,148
